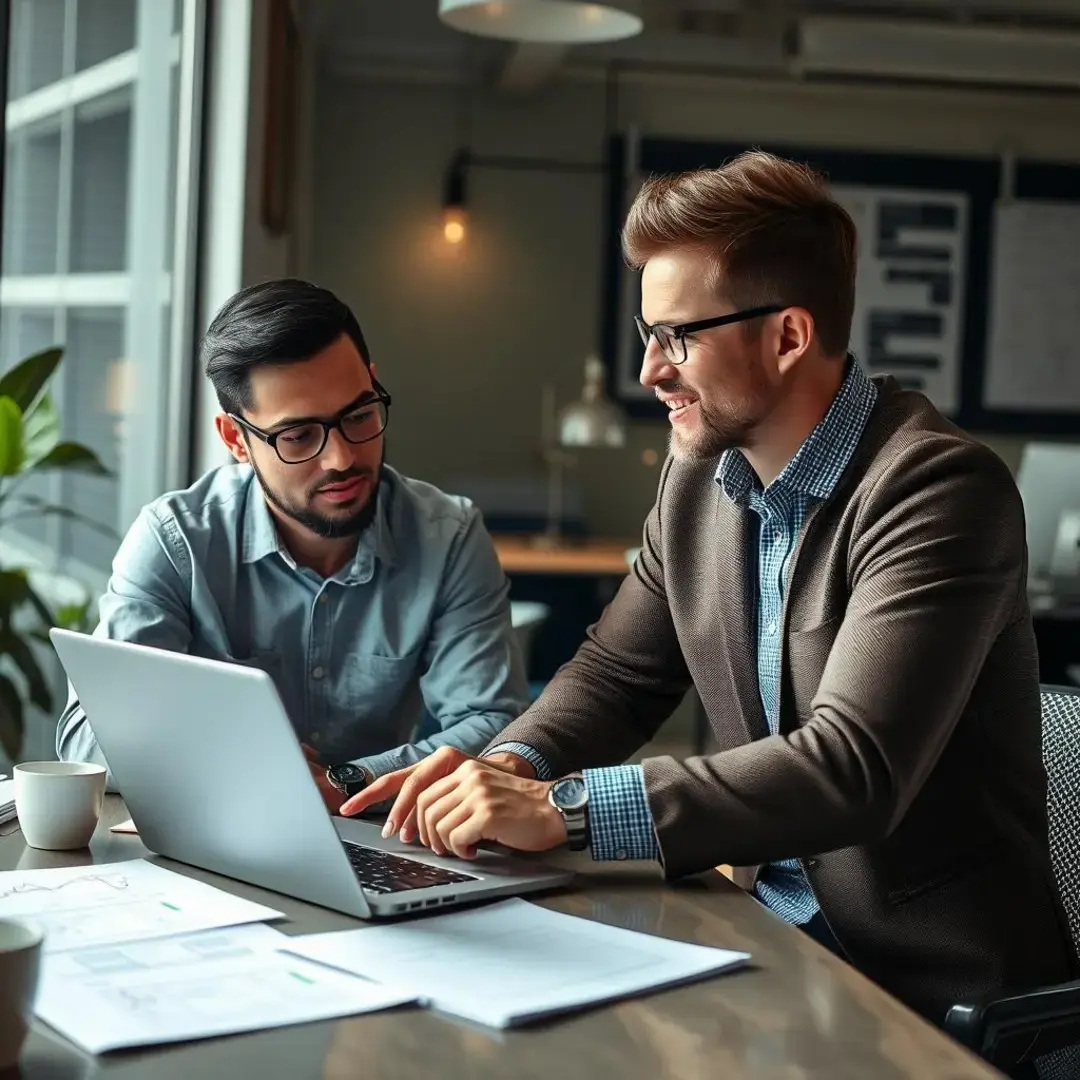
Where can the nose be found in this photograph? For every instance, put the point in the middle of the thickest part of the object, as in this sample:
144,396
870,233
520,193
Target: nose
337,454
655,366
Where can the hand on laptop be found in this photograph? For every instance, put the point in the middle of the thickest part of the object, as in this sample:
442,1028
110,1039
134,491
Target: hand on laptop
331,796
408,784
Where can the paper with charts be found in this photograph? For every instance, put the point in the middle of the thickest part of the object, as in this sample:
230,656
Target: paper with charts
110,903
514,962
192,987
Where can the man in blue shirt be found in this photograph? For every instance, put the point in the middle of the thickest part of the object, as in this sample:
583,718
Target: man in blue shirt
366,595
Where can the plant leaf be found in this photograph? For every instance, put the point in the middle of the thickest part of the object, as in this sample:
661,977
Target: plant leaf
23,655
73,456
11,718
26,380
41,430
11,430
73,616
14,588
39,605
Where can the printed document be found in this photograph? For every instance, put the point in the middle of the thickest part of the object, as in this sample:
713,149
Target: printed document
110,903
192,987
513,962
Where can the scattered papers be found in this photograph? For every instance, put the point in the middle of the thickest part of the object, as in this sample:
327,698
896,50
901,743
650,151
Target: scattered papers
513,962
125,827
193,987
112,903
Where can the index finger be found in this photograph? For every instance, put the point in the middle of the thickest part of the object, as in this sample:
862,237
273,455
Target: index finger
377,790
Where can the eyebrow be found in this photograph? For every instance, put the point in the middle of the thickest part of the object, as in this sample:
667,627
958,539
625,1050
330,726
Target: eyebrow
296,421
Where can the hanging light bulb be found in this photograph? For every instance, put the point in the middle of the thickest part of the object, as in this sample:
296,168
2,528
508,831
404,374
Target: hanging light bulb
568,22
455,217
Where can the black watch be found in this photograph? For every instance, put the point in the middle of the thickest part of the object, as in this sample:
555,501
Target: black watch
349,779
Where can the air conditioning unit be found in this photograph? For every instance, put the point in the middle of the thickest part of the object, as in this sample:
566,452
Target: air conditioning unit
890,48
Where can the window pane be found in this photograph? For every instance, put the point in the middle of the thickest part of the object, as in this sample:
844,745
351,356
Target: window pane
37,45
31,199
105,28
95,403
23,333
100,189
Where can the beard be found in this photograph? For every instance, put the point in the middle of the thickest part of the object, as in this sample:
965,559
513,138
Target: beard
335,527
724,427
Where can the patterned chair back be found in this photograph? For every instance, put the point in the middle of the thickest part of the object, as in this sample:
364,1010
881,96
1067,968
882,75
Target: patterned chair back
1061,755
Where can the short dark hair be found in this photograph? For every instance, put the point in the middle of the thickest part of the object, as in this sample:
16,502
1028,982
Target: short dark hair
284,321
775,235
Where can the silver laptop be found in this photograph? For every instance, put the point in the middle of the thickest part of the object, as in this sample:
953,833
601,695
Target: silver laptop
213,775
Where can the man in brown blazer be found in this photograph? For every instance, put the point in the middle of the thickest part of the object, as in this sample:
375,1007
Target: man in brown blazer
841,574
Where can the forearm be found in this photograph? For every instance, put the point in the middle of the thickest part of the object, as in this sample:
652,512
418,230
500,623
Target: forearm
75,739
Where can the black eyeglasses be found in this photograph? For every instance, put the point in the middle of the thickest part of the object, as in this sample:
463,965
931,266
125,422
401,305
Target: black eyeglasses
359,422
671,337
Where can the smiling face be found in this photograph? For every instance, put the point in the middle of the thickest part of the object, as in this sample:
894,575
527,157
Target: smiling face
731,379
332,495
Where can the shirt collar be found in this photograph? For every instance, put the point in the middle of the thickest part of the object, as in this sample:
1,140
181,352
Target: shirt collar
824,455
376,542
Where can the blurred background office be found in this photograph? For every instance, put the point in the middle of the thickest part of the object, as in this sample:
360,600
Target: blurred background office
457,171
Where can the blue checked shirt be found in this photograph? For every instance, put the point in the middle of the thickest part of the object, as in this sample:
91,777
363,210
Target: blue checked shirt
620,822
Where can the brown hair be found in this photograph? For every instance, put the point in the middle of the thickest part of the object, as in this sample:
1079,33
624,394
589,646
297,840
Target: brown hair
775,233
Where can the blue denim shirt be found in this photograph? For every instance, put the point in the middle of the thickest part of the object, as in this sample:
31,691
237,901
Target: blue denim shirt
419,617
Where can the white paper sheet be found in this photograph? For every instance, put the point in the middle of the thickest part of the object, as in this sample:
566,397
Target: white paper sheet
110,903
192,987
514,961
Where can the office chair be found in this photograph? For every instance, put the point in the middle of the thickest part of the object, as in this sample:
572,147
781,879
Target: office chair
999,1029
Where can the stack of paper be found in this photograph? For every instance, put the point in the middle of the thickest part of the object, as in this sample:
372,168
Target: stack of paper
135,954
192,987
514,962
7,799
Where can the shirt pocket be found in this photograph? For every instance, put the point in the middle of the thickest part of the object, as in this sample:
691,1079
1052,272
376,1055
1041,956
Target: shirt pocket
375,682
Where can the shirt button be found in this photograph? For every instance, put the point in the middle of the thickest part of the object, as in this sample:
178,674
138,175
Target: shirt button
770,629
324,598
316,738
620,854
317,673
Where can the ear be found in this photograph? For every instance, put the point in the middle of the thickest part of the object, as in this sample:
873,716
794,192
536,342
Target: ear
795,338
374,373
232,437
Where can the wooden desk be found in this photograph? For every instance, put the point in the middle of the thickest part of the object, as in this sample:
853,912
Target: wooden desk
799,1012
587,558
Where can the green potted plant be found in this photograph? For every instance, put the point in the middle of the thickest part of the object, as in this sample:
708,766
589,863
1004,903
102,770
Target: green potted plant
30,443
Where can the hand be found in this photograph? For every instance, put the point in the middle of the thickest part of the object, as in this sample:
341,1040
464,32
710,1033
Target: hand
331,796
478,802
408,783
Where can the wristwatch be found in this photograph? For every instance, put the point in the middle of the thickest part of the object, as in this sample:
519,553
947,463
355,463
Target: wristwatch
349,779
570,796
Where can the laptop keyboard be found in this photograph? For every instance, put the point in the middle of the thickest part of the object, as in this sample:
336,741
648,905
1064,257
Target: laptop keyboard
381,872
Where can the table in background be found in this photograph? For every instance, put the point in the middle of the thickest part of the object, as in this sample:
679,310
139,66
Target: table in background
799,1012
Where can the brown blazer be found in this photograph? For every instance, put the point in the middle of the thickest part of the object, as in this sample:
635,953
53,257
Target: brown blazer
907,775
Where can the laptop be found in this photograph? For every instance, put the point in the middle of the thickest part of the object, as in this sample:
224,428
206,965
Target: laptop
213,775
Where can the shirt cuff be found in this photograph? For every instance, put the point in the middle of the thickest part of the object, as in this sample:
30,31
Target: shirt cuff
620,821
523,750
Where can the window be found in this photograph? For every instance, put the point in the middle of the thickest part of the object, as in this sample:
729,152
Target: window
98,205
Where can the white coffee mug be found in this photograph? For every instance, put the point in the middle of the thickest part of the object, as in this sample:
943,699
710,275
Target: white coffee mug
58,802
20,954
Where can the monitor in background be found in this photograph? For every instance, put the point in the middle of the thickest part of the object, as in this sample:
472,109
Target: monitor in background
1049,482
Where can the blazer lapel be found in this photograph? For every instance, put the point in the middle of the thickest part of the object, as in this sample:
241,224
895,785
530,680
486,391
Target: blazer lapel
738,610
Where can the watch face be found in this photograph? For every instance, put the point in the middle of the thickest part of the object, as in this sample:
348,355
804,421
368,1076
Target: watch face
570,793
348,774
